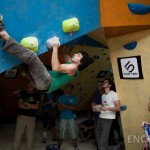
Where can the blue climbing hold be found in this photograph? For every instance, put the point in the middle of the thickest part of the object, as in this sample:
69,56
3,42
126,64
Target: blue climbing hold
130,46
123,107
139,8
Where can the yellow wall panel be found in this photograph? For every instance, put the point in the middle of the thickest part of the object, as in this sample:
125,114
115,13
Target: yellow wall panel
133,93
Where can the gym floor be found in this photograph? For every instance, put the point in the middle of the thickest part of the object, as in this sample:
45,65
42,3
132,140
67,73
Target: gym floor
7,134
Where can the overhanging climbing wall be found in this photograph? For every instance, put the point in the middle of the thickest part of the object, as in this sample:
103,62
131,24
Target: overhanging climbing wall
43,19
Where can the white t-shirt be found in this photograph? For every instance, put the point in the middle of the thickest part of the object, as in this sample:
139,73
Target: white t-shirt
108,101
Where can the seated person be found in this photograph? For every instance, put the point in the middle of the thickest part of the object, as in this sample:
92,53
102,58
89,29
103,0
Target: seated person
86,128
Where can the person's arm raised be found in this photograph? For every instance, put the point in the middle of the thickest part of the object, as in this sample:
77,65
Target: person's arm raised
56,66
66,53
55,61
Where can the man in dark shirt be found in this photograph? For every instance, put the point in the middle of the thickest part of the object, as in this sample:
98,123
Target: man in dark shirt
28,103
96,100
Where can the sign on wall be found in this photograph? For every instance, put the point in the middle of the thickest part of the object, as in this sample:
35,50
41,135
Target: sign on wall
130,67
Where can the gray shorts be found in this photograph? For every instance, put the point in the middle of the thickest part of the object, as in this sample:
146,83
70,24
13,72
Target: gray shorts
67,124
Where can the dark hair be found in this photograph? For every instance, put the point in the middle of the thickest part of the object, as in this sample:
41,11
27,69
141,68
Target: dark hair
85,61
69,84
113,88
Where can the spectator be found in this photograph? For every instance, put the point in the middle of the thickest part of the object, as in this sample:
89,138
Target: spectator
96,100
115,127
110,105
67,105
53,117
86,128
28,104
46,104
146,127
57,93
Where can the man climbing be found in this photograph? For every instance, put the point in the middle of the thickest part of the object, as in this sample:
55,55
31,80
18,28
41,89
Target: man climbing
39,76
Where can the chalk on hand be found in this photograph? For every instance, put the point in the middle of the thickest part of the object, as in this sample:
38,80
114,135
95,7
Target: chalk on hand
50,42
